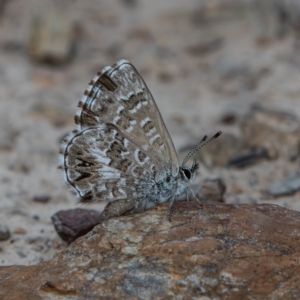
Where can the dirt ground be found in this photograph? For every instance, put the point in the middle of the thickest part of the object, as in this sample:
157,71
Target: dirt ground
199,65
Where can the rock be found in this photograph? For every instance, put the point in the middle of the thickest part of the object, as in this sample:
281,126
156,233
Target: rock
265,134
206,45
273,19
41,198
219,251
142,34
220,151
218,11
234,111
20,230
9,132
227,69
2,7
73,223
212,190
248,159
236,78
51,39
130,3
4,232
276,131
287,187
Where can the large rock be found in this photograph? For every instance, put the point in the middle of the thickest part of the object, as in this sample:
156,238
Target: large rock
218,252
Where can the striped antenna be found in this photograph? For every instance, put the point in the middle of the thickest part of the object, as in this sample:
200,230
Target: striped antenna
202,143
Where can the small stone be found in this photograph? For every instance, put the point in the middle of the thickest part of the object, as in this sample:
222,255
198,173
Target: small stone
130,3
236,189
42,198
274,19
21,254
4,232
2,6
221,150
276,131
286,187
9,133
233,112
73,223
20,230
52,37
140,34
207,45
230,70
213,190
165,77
248,159
36,217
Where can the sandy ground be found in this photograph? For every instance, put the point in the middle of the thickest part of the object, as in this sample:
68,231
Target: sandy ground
38,101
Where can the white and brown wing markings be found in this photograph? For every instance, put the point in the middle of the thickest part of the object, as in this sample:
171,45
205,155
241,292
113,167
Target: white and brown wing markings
98,159
118,95
142,106
107,82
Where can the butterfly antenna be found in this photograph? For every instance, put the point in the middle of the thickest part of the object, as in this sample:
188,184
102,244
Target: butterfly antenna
202,143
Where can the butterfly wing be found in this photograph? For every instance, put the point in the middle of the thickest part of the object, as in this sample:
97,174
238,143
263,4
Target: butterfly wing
121,137
102,165
118,95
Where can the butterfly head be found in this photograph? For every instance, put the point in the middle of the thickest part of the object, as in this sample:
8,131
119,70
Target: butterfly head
188,174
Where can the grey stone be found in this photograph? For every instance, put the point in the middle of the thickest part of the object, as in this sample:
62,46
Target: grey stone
4,232
286,187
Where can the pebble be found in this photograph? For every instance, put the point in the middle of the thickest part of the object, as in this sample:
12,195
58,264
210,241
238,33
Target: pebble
248,159
286,187
213,190
20,230
220,151
275,130
46,43
36,217
207,45
73,223
229,69
41,198
4,232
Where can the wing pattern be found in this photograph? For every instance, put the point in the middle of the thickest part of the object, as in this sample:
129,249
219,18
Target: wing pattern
121,138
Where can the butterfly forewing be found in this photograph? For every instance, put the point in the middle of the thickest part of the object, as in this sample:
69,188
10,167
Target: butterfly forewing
121,137
118,95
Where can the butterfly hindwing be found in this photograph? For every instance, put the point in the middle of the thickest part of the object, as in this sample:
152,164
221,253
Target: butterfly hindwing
102,165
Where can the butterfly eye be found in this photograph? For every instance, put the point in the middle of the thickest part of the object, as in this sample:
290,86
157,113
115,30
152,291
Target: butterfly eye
186,174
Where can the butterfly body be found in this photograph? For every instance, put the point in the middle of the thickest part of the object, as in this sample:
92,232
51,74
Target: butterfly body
121,152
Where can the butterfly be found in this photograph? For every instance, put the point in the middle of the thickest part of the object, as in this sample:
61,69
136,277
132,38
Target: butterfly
121,152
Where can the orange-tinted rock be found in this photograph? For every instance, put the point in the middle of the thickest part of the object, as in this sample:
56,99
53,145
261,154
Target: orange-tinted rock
219,252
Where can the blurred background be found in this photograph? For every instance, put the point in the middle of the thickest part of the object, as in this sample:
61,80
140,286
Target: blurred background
211,65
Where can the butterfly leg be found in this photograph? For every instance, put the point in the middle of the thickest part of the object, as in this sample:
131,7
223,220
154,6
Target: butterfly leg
187,194
170,208
195,196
